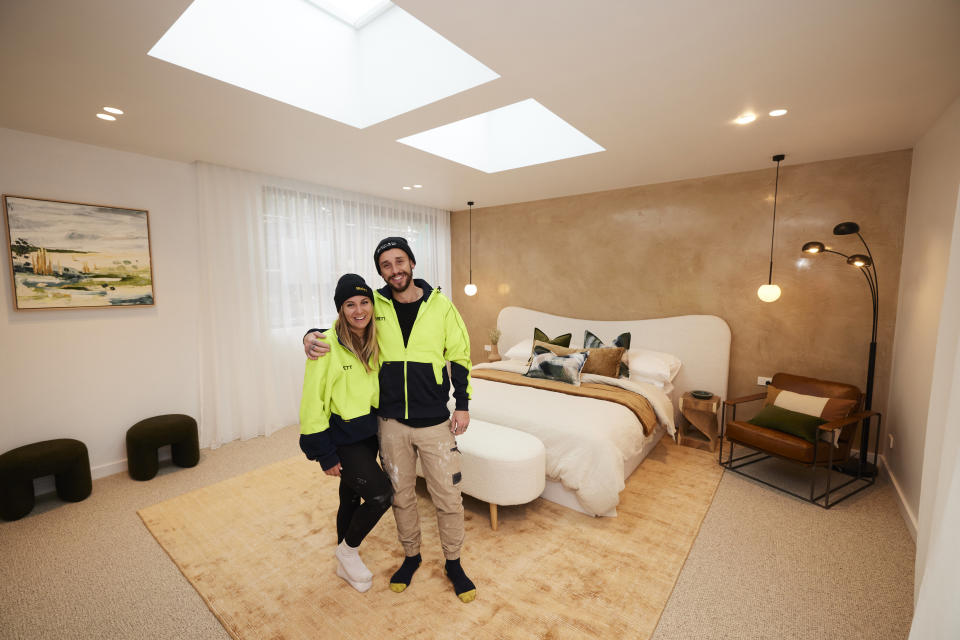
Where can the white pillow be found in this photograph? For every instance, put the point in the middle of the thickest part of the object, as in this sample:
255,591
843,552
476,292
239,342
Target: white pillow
653,365
520,351
660,384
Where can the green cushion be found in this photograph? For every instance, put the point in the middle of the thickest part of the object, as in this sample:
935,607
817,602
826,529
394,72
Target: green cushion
560,341
796,424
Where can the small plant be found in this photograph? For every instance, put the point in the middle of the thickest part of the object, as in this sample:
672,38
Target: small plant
494,336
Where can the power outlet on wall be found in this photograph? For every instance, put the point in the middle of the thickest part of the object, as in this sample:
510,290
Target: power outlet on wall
487,347
763,381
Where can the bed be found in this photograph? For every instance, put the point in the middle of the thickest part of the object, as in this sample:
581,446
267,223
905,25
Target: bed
593,445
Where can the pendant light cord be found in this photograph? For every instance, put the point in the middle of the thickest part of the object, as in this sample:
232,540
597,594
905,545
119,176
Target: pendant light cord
776,189
471,242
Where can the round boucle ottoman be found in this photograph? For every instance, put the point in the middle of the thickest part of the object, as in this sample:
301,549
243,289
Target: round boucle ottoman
501,466
147,436
65,459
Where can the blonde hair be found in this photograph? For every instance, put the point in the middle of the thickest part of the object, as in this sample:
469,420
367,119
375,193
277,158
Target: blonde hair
364,348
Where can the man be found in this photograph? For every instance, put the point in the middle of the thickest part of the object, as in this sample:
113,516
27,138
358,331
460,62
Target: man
419,331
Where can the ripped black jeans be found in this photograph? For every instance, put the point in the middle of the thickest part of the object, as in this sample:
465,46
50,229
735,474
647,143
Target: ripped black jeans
365,491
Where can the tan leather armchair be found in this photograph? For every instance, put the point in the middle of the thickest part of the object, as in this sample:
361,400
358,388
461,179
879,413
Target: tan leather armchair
829,450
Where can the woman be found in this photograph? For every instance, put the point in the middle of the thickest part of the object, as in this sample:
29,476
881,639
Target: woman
338,424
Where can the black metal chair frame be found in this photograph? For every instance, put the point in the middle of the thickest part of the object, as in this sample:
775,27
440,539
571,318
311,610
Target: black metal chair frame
823,499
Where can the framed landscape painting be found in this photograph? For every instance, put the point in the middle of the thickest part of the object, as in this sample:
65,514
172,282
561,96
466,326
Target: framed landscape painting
68,255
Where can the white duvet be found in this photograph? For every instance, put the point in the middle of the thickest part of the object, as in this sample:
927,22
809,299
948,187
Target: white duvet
586,440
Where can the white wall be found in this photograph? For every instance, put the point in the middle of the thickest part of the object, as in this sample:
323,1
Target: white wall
931,209
91,374
938,564
940,154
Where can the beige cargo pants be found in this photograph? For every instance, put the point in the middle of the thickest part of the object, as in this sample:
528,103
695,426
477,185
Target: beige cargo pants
440,462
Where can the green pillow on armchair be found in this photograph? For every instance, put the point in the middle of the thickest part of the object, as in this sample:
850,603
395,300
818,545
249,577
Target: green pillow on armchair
792,422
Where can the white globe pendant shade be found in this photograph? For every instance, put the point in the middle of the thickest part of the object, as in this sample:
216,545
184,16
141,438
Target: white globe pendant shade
768,292
471,290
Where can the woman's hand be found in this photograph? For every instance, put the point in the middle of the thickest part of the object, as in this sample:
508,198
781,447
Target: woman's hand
333,471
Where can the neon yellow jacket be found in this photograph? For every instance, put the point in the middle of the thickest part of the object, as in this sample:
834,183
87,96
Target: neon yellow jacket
414,382
339,402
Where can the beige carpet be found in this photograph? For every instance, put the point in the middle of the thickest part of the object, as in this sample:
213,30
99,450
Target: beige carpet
259,550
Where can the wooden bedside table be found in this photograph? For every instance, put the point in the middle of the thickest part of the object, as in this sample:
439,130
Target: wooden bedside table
698,422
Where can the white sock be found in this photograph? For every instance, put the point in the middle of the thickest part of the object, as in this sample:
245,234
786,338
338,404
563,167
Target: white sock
349,558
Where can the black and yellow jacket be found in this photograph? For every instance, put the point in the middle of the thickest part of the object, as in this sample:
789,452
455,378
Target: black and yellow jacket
339,403
413,378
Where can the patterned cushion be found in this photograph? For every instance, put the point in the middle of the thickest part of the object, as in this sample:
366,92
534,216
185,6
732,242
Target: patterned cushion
561,368
829,409
604,361
590,341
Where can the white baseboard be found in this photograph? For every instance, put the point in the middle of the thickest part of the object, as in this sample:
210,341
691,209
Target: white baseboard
104,470
45,485
909,517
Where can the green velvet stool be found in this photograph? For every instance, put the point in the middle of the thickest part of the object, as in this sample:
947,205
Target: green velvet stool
147,436
66,460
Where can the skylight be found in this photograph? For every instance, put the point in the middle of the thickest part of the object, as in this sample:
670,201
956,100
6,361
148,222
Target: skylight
367,65
355,13
518,135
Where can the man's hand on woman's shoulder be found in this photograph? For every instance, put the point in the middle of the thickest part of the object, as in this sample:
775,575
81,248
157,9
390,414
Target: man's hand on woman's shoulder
313,347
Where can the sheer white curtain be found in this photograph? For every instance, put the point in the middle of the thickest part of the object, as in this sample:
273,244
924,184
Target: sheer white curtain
271,253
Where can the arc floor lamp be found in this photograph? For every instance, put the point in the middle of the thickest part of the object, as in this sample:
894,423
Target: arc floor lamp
866,265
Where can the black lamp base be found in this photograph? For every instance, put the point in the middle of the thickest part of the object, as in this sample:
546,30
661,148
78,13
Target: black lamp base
867,469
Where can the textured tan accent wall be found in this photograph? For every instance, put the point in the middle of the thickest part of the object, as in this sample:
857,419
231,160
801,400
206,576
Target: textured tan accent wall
702,247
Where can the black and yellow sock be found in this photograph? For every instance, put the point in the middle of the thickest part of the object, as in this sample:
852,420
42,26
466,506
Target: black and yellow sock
462,585
402,577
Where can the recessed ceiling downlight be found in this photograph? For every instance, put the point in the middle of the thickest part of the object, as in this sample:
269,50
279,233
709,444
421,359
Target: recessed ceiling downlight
776,113
106,116
746,118
113,110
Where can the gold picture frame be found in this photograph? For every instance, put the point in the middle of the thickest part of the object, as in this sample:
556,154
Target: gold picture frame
74,255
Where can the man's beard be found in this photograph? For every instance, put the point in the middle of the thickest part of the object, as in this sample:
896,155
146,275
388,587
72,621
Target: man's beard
408,280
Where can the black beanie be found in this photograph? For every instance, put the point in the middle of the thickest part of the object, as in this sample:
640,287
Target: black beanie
393,242
349,285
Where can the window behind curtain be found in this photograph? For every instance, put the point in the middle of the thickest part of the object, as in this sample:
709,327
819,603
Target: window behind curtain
312,238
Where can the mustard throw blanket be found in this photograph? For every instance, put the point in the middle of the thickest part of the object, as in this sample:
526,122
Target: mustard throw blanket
638,404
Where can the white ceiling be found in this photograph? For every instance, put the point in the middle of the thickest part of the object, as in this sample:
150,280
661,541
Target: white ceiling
655,82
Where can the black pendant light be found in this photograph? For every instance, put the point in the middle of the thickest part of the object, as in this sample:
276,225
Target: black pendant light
770,292
470,289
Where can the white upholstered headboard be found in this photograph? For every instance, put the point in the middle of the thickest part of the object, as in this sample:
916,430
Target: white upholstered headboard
701,342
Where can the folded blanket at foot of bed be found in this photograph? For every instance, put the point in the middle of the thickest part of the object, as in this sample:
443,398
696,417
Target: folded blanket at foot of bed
640,406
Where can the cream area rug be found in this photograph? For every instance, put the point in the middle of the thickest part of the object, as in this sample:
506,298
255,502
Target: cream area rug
259,550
